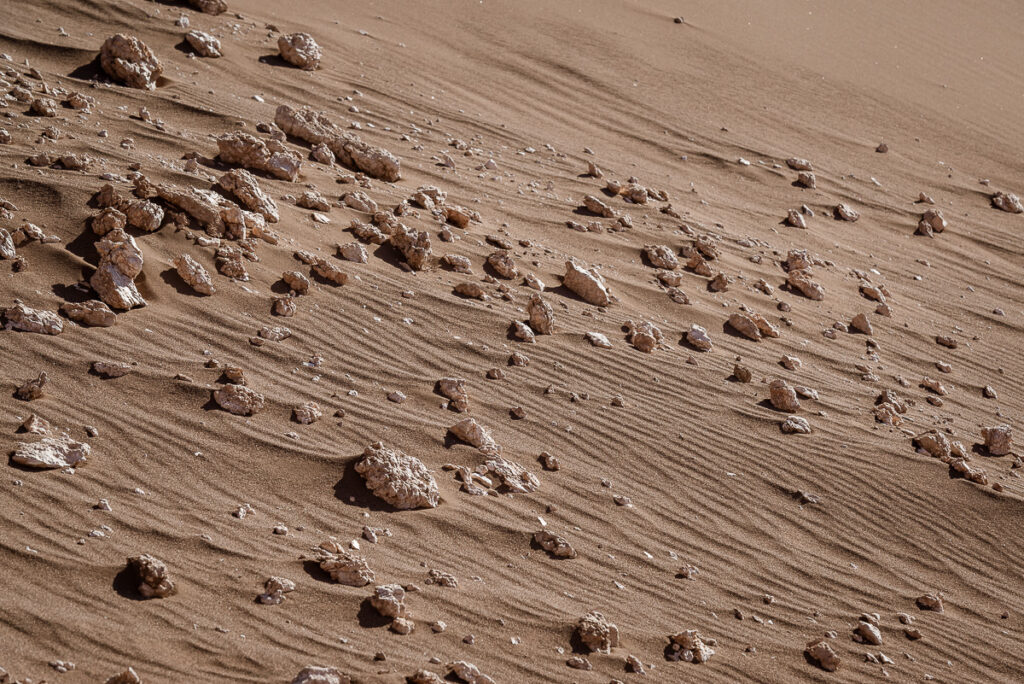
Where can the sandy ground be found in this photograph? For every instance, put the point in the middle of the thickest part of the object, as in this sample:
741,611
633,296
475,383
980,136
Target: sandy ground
714,483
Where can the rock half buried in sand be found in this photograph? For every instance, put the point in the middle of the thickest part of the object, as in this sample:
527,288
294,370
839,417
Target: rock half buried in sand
796,425
343,566
153,576
318,674
21,317
204,44
129,60
596,633
587,283
269,156
50,452
299,49
554,544
210,6
689,646
821,653
316,128
397,478
239,400
472,432
1007,202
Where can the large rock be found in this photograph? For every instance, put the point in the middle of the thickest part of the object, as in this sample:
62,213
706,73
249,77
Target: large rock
587,283
397,478
269,156
51,452
153,576
129,60
596,633
21,317
246,189
299,49
239,400
120,263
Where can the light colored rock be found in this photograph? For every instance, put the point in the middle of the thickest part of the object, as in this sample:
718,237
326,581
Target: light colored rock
795,219
523,332
307,413
202,205
328,270
514,476
397,478
353,251
413,246
239,400
471,432
661,256
295,280
92,313
587,283
457,263
860,323
644,335
806,179
269,156
153,576
129,676
596,206
111,369
689,646
343,566
868,633
244,186
455,390
542,316
798,164
7,250
931,222
845,212
930,602
800,279
998,439
210,6
554,544
194,274
129,60
318,674
21,317
783,397
822,654
745,325
1007,202
275,589
36,426
120,263
389,600
795,425
468,673
599,340
503,264
204,44
299,49
51,452
473,290
596,633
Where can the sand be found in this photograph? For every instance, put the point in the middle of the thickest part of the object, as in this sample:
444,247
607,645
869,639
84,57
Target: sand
714,484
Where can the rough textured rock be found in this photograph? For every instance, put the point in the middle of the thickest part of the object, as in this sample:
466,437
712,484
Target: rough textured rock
596,206
152,575
308,413
274,590
751,325
239,400
587,283
689,646
554,544
194,274
316,128
783,397
202,205
389,600
998,439
455,390
599,340
471,432
846,212
468,673
644,335
268,156
414,247
596,633
397,478
698,337
210,6
795,425
821,653
120,263
51,452
144,215
931,222
661,256
21,317
246,189
800,279
318,674
92,313
33,389
503,264
860,323
542,316
343,566
299,49
1007,202
7,250
513,476
129,60
129,676
111,369
204,44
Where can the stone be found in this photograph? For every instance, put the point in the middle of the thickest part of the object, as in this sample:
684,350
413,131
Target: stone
468,673
92,313
752,325
503,264
931,222
930,602
806,179
204,44
783,397
800,279
998,439
111,369
152,575
343,566
598,340
109,219
795,425
554,544
299,49
129,60
114,279
318,674
353,251
587,283
455,390
239,400
51,452
845,212
7,250
307,413
414,246
21,317
661,256
246,189
35,425
389,600
697,336
596,206
689,646
821,653
1007,202
457,263
542,316
513,476
644,335
523,332
596,633
861,324
128,676
578,662
795,219
472,290
868,633
274,590
330,271
397,478
798,164
312,199
268,156
194,274
144,215
210,6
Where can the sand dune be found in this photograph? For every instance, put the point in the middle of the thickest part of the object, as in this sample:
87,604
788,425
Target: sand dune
761,541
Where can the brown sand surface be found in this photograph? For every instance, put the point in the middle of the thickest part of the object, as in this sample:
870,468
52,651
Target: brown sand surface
713,480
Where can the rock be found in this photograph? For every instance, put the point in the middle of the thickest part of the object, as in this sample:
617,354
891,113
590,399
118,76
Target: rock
644,335
1007,202
800,279
596,206
742,373
7,250
931,221
201,205
930,602
783,397
343,566
316,128
204,44
120,263
389,600
599,340
459,216
455,390
246,189
312,199
144,215
998,439
21,317
210,6
795,425
795,219
513,476
861,324
459,264
111,369
473,290
806,179
503,264
578,662
330,271
414,247
307,413
698,338
322,153
275,589
845,212
798,164
299,49
752,325
129,676
542,316
194,275
596,633
468,673
152,575
424,677
554,544
689,646
868,633
821,653
960,467
353,251
397,478
239,400
661,256
471,432
523,332
269,156
587,283
51,452
35,425
316,674
43,106
92,313
946,341
127,59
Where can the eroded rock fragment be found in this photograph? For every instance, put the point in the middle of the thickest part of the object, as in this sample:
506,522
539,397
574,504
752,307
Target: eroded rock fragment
153,576
587,283
414,246
129,60
389,600
204,44
1007,202
299,49
800,279
51,452
397,478
194,274
269,156
554,544
244,186
822,654
795,425
343,566
542,316
455,390
596,633
120,263
689,646
92,313
21,317
239,400
661,256
503,264
318,674
998,439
